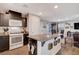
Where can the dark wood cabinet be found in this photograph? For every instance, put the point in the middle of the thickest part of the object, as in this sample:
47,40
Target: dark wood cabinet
4,20
4,43
24,22
25,39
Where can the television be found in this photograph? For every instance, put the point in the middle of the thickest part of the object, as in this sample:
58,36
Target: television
76,25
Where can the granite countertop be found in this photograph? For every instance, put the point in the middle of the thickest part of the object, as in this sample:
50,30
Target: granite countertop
43,37
7,34
4,34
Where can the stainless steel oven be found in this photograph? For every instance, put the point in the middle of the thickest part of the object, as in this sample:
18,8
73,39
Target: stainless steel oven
16,37
16,40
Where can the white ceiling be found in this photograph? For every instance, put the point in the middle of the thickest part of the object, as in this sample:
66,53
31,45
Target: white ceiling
65,11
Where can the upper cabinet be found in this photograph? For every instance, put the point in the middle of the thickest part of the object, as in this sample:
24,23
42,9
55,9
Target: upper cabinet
16,17
4,19
24,22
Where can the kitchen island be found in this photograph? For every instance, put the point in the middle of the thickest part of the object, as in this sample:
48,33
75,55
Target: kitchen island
44,44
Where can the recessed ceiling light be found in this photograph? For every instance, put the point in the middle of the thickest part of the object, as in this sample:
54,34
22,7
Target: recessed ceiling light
56,6
40,13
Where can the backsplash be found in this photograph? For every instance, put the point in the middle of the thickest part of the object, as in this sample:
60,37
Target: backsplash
2,29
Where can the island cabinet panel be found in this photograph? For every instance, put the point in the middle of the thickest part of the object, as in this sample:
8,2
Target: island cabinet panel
4,43
32,47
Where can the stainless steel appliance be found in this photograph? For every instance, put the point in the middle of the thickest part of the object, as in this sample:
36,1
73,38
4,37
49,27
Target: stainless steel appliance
14,22
16,37
16,40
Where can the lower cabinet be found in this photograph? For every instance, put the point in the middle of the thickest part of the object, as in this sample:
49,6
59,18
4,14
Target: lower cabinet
4,43
25,39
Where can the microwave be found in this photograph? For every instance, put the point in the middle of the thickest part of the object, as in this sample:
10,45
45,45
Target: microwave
13,22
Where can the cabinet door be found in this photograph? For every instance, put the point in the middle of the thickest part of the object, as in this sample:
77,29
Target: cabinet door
24,22
4,20
1,19
25,39
4,43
